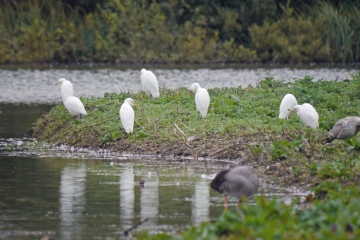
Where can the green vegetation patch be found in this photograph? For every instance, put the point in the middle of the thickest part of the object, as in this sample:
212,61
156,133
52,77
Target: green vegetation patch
334,217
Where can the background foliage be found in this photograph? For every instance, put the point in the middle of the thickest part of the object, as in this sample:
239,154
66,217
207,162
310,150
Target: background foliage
179,31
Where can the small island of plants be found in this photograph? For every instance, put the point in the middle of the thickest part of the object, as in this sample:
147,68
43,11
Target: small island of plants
242,125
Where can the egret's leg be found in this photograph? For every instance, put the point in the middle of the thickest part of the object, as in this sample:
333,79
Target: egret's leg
225,203
200,116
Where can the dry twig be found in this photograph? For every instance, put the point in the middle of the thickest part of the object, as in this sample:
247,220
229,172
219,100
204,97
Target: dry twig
140,125
226,148
127,231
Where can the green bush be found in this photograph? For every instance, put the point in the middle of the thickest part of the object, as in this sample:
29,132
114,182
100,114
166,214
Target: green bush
290,39
38,31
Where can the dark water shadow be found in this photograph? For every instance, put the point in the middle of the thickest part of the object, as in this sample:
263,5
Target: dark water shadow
17,119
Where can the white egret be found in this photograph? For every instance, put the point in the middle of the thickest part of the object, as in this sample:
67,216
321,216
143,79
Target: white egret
127,115
202,99
75,106
344,128
149,83
237,181
307,114
287,105
72,104
66,88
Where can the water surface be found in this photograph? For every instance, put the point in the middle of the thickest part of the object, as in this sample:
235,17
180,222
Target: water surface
38,85
98,199
17,119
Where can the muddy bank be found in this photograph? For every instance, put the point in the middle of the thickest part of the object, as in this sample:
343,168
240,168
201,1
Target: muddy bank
245,150
197,151
237,150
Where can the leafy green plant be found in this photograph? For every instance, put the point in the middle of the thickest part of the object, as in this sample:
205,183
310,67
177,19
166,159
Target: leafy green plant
335,216
313,168
280,149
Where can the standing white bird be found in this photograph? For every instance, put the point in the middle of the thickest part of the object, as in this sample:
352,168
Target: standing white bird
127,115
307,114
202,99
66,88
72,104
344,128
75,106
287,105
149,83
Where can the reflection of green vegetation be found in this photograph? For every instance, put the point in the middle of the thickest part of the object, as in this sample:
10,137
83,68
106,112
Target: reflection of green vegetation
178,32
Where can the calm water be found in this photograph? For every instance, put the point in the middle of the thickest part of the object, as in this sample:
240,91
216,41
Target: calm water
17,120
97,199
87,194
38,86
78,199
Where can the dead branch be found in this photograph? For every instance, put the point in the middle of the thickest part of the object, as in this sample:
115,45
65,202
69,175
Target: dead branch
140,125
127,231
226,148
177,127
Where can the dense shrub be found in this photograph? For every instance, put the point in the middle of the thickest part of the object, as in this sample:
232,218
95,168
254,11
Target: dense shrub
290,39
177,31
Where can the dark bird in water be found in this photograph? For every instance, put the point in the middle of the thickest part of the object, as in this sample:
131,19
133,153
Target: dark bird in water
344,128
142,183
236,181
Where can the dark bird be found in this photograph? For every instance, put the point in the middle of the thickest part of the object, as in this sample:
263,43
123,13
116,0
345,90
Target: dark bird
344,128
236,181
142,183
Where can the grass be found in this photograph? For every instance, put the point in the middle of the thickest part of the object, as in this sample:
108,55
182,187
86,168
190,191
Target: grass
232,112
286,150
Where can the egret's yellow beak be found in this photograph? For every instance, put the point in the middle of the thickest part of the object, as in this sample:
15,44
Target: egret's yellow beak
291,111
135,104
57,83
